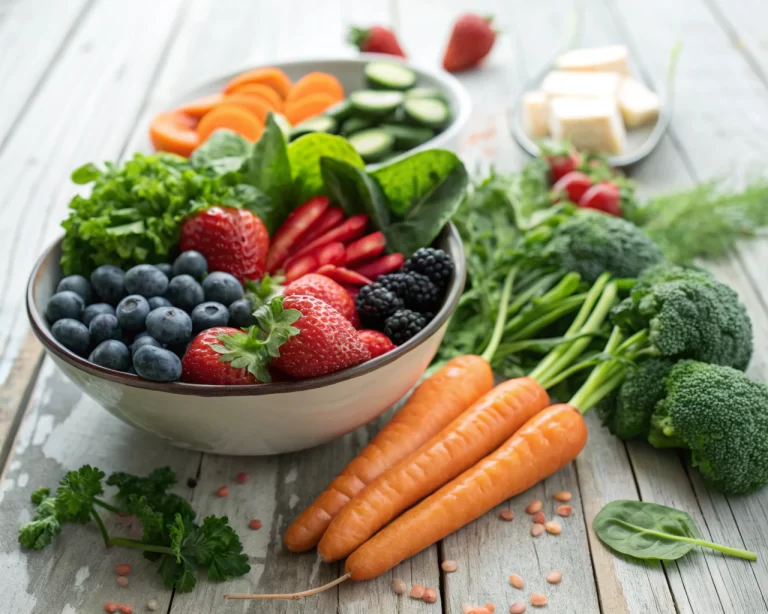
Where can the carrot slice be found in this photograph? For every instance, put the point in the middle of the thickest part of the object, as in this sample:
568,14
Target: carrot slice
257,106
174,131
231,116
201,106
271,77
309,106
262,91
316,83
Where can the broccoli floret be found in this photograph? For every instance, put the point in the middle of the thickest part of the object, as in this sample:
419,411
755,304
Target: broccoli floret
721,416
627,413
688,314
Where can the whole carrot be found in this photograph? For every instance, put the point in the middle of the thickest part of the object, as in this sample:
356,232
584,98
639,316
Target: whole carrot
434,403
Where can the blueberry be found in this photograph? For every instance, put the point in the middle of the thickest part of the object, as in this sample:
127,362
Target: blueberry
64,304
132,312
169,325
103,327
96,309
157,364
209,314
72,334
140,342
158,301
190,263
185,292
109,283
111,354
77,284
241,314
146,280
166,268
222,288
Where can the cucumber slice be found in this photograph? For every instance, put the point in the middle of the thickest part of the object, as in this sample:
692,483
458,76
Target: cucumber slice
408,137
389,76
425,92
321,123
427,112
355,124
372,102
373,144
340,111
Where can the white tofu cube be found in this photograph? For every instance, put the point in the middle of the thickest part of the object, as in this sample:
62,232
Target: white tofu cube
612,58
581,84
637,103
590,124
535,114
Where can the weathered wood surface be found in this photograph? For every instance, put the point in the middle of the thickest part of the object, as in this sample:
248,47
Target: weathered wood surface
87,94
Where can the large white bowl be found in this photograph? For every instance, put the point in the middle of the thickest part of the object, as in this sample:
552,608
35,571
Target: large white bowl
350,72
255,419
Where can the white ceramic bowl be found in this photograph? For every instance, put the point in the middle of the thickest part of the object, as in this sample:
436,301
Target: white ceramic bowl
255,419
349,71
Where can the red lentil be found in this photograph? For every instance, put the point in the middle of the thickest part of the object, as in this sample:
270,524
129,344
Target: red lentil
555,577
125,608
430,595
564,510
223,491
518,607
507,515
110,607
242,477
539,518
255,524
516,581
538,600
563,495
533,507
123,569
449,566
417,591
553,527
399,586
122,581
537,529
490,607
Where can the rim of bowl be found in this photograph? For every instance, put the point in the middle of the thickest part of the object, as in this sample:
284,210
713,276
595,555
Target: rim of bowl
449,233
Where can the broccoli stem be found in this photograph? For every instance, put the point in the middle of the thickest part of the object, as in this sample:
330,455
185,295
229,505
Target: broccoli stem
498,329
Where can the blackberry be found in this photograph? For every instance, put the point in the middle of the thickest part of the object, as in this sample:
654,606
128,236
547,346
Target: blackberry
434,263
375,303
416,290
404,324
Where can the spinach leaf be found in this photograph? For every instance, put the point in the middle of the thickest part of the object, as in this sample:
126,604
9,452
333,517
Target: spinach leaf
223,152
355,190
646,530
304,155
85,174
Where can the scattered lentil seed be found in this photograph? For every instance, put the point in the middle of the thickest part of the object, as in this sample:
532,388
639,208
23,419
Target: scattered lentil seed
398,586
223,491
538,600
110,607
563,495
430,595
152,605
255,524
449,566
516,581
507,515
123,569
518,607
490,607
417,591
564,510
480,610
466,608
537,529
539,518
553,527
534,506
242,477
555,577
125,608
122,581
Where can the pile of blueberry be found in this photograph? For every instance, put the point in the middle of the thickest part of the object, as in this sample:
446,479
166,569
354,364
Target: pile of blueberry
401,304
142,320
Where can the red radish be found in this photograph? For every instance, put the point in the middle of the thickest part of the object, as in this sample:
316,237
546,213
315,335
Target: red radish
573,185
334,253
331,218
382,266
301,266
366,248
471,40
295,226
351,229
376,39
343,275
603,196
562,164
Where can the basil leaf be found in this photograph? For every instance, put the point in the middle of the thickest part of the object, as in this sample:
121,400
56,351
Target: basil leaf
304,155
355,190
85,174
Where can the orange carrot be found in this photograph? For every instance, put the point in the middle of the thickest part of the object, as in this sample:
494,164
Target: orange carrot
545,444
308,106
261,91
254,105
271,77
231,116
434,404
201,106
478,431
316,83
174,132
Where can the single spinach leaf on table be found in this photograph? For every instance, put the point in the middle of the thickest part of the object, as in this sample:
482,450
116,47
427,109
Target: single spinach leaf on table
645,530
304,155
224,152
355,190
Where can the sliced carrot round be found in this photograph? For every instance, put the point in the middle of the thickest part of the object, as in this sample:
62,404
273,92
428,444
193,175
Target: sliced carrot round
316,83
174,132
233,117
272,77
201,106
308,106
262,91
258,106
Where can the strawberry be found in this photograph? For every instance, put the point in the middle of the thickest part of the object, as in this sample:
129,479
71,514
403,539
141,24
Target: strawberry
332,217
471,40
327,342
326,290
298,267
376,342
604,196
343,275
298,223
381,266
232,240
376,39
349,230
571,186
366,248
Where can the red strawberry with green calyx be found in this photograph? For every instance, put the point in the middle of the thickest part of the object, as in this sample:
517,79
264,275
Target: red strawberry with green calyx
376,39
471,40
326,290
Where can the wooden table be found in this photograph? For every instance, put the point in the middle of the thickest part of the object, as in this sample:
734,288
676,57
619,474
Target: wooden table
80,78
